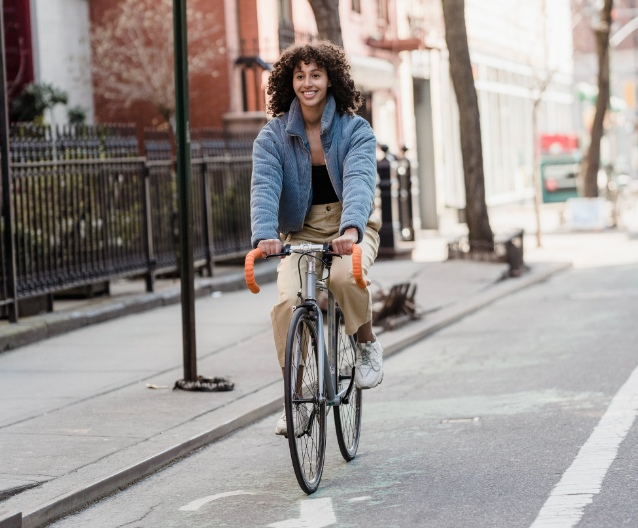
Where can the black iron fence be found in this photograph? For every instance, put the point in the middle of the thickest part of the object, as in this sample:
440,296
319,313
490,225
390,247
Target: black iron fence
88,208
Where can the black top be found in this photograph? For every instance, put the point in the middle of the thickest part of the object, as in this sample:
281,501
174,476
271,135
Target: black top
322,190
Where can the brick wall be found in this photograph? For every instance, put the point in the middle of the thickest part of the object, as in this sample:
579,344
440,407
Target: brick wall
209,92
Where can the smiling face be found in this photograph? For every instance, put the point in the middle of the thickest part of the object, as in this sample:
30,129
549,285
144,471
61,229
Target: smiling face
311,83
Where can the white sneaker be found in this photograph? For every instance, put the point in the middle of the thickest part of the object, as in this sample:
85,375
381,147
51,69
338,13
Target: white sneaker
369,365
301,422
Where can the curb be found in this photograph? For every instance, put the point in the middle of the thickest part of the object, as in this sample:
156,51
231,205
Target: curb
82,497
394,343
42,327
11,520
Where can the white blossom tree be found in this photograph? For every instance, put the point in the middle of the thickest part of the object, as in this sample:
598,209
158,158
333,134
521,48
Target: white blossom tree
133,52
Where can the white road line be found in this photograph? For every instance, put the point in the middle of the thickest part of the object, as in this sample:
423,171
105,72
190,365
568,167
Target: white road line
197,504
583,479
315,513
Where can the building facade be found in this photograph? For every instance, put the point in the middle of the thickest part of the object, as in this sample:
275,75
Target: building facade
515,46
619,145
48,41
399,61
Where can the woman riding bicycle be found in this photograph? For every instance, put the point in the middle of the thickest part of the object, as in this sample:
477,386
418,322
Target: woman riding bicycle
314,179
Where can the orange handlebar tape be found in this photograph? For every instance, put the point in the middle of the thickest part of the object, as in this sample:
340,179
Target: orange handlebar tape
249,270
357,271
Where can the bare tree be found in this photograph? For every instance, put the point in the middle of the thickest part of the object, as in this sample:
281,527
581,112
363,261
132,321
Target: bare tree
327,18
481,237
133,52
537,99
542,80
592,162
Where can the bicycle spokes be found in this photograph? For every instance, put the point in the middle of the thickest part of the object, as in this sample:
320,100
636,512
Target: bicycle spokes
307,427
347,416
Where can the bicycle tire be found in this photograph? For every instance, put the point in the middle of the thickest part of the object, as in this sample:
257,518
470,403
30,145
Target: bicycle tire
347,415
308,445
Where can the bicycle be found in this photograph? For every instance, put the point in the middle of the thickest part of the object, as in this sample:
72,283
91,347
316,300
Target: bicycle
308,360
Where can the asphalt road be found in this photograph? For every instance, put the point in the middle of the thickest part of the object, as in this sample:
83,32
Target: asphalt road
473,427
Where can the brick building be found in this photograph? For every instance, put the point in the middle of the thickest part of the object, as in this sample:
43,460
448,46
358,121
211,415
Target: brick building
251,35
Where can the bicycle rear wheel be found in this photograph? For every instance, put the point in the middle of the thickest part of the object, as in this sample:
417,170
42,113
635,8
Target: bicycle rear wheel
348,413
306,416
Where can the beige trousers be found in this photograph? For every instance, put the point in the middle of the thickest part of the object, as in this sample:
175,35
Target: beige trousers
322,225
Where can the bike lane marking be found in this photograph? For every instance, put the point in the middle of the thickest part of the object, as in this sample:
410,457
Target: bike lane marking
315,513
197,504
583,479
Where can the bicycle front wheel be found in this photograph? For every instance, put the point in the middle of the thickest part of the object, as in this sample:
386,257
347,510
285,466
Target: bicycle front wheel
348,413
305,414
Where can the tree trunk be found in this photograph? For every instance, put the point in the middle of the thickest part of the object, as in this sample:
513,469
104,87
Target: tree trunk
327,17
481,237
593,154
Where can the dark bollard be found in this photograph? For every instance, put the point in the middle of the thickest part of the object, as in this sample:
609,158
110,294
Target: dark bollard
405,197
514,253
385,169
386,233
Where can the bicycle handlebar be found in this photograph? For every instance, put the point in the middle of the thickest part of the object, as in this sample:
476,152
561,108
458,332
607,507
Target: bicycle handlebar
249,265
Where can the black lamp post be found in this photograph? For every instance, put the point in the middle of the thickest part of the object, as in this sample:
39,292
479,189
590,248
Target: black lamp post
191,380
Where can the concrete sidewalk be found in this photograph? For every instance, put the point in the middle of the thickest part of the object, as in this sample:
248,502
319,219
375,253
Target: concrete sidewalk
89,412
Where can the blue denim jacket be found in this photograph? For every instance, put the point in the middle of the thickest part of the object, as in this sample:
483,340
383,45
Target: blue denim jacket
281,188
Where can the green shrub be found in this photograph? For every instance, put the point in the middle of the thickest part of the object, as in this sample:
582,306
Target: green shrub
35,99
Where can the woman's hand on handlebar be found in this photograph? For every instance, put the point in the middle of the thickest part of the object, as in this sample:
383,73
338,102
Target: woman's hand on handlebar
343,244
270,247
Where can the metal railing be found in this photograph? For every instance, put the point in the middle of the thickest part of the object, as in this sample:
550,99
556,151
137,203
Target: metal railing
88,208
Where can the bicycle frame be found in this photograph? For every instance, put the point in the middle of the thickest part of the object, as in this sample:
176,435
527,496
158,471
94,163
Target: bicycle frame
306,329
310,302
327,374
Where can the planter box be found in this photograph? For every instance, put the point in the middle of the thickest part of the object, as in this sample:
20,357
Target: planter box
587,213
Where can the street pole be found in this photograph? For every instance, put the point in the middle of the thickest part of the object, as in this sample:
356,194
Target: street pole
5,163
191,380
184,190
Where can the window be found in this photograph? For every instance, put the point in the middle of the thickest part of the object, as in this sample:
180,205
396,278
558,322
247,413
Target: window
286,28
356,6
285,11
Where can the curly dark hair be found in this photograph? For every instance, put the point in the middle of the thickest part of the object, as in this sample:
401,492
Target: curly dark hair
326,55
